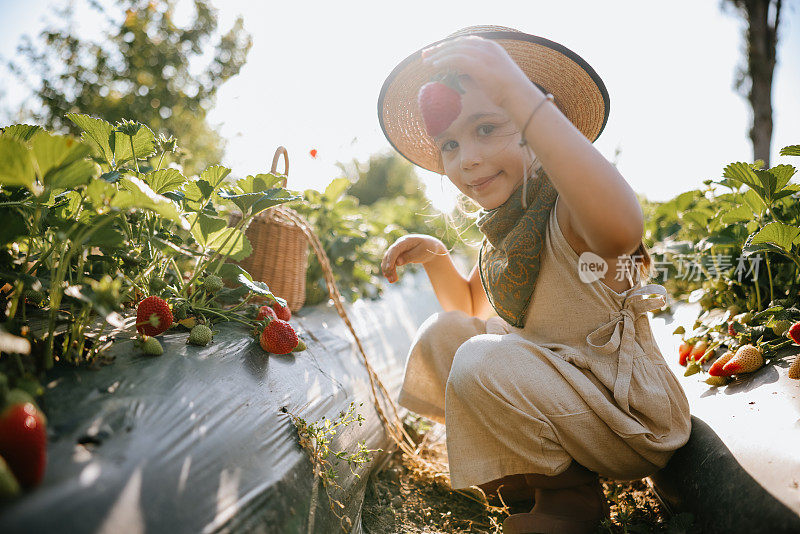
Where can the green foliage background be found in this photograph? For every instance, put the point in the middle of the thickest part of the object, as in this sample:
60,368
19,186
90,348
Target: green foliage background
146,67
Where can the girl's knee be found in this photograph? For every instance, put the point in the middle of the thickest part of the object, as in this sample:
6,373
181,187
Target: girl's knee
471,371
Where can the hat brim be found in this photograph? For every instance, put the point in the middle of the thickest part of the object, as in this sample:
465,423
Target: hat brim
579,92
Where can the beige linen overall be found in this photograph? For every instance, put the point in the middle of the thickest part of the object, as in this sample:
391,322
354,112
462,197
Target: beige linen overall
583,379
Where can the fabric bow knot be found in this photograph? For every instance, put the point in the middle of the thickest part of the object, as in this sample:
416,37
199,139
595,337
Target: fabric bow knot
620,336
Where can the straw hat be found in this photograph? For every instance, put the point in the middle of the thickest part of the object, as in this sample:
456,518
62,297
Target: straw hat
579,92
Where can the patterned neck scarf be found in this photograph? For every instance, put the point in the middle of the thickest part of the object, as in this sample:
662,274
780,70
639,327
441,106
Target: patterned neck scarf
513,245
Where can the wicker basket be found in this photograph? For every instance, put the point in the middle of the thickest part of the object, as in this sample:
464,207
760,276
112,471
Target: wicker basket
280,249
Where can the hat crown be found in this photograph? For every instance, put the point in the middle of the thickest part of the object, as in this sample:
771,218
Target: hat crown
470,30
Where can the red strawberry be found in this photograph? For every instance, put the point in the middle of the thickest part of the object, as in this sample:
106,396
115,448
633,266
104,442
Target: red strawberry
794,332
23,442
440,105
716,367
746,360
699,349
313,152
278,337
265,311
683,352
282,312
153,316
731,331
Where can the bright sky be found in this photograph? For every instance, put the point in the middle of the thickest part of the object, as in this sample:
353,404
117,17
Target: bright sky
314,73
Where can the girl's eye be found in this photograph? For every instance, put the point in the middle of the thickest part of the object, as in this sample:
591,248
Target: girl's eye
485,128
445,147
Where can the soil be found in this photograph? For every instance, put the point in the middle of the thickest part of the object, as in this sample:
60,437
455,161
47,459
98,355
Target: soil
409,496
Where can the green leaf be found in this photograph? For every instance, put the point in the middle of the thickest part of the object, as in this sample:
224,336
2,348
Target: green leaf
755,202
61,162
700,217
164,180
791,150
743,173
13,225
96,133
259,288
740,213
107,237
258,183
214,233
16,164
144,142
684,200
782,174
21,132
137,194
214,176
778,234
337,187
255,203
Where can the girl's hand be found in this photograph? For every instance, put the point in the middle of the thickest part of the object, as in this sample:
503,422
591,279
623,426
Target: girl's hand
411,248
485,61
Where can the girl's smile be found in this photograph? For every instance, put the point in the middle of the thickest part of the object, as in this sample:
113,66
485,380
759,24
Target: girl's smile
483,183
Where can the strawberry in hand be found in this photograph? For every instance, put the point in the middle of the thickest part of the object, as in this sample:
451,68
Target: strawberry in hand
440,103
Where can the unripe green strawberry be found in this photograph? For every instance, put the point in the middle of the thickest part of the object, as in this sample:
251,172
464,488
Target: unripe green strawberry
212,283
746,360
301,346
151,346
157,285
716,367
9,487
200,335
779,328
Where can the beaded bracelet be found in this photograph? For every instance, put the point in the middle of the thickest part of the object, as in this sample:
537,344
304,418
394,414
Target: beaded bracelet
548,96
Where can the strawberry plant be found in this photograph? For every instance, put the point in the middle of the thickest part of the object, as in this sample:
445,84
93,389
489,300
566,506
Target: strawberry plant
95,226
757,218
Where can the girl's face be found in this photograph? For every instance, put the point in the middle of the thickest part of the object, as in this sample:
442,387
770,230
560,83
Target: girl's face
480,150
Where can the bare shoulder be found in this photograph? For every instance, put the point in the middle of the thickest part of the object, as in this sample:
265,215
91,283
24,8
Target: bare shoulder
564,218
576,241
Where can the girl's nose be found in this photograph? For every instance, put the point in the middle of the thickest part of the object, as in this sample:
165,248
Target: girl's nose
470,157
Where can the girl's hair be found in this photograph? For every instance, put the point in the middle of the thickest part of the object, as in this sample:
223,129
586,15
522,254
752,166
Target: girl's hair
469,209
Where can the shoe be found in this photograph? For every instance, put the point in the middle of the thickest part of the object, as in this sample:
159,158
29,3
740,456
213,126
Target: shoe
543,523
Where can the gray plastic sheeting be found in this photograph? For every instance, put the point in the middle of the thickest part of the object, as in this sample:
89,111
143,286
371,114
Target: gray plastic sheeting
195,441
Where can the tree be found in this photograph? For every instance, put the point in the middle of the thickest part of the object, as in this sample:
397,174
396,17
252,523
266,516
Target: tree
763,19
146,69
386,176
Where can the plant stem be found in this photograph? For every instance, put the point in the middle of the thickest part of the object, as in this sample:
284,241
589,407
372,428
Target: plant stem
133,151
769,276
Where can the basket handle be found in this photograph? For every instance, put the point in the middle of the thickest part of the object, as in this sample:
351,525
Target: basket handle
281,151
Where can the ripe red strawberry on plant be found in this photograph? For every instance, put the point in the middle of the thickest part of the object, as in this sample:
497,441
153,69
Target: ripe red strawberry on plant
747,359
266,311
153,316
440,104
683,352
794,332
278,337
282,312
719,363
23,442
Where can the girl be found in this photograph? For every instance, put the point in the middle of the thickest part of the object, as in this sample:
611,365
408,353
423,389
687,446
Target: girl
544,371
